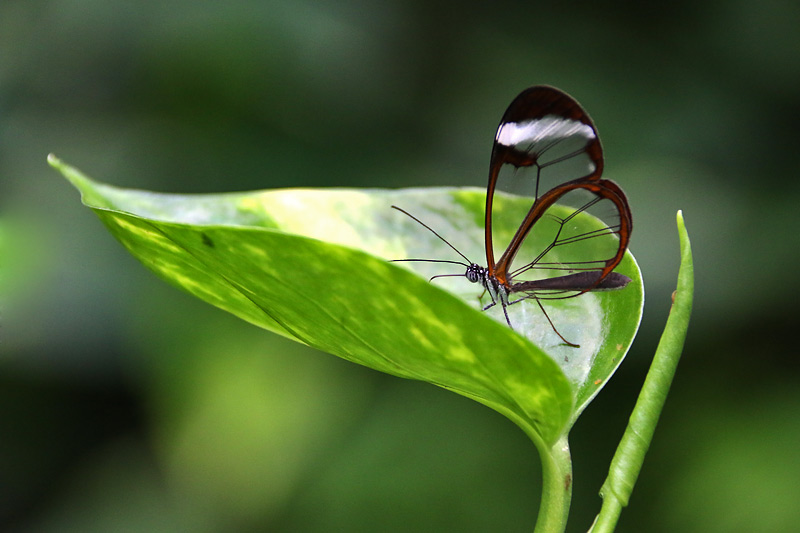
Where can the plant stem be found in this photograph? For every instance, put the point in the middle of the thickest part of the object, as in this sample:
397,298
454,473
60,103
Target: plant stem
556,478
627,462
556,488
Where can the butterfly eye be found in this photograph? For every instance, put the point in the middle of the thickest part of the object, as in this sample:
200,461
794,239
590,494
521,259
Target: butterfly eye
474,273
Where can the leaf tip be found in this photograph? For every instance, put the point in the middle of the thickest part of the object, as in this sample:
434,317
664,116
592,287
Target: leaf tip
72,174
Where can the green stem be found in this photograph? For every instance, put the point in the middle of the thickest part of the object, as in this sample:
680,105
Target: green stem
556,488
556,479
627,462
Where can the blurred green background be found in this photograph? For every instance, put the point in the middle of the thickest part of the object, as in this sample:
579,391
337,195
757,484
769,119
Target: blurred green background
127,405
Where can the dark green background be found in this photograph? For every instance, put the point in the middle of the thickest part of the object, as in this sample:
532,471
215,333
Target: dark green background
125,403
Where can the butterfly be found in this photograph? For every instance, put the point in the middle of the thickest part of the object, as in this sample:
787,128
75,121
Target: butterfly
547,143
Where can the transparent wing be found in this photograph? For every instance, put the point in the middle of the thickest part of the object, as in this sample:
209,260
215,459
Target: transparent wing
547,148
544,139
577,234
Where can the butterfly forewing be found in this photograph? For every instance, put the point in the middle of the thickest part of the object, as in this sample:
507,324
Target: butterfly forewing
544,139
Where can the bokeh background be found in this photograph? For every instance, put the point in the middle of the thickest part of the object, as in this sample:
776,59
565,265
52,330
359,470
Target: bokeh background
127,405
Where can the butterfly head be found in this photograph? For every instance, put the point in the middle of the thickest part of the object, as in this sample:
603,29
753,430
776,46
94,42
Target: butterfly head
475,273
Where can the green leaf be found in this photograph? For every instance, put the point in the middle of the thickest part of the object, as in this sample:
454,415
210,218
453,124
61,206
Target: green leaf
313,265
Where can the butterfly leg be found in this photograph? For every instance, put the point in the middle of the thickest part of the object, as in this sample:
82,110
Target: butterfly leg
505,312
480,298
571,344
539,303
494,293
497,293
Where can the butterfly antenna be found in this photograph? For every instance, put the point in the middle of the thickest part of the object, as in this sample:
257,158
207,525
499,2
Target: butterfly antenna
447,275
430,261
421,223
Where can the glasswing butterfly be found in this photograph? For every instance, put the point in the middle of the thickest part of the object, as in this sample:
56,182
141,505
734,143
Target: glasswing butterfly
547,144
